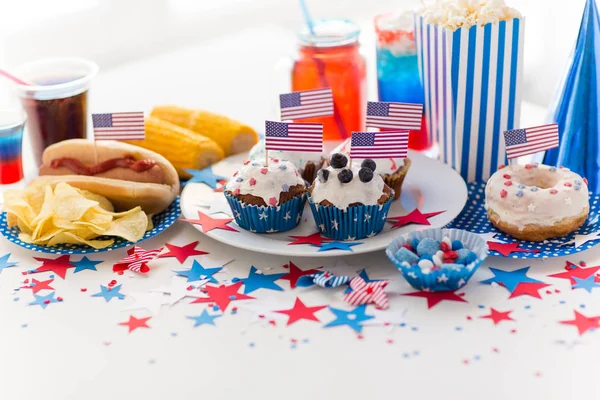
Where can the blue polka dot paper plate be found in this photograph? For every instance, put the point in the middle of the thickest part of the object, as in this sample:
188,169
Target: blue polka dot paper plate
474,219
161,222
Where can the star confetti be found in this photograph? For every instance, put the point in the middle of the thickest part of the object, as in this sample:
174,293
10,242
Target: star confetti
315,239
137,260
347,246
580,240
491,237
37,286
135,323
204,319
57,265
110,293
588,284
434,298
583,323
573,271
85,263
367,292
510,279
198,272
181,253
529,289
180,289
148,301
352,318
498,316
223,295
216,204
301,311
506,248
43,301
325,279
4,263
257,280
413,217
208,223
295,273
205,175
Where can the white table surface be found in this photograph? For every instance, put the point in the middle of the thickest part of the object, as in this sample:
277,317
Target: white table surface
77,350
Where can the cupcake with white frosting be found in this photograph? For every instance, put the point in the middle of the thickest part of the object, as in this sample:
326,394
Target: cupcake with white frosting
267,199
392,170
349,202
307,163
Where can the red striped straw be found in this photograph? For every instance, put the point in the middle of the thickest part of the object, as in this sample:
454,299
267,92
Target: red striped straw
14,78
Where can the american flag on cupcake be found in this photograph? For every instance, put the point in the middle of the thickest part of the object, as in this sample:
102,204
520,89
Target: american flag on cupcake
394,115
306,104
294,136
387,144
521,142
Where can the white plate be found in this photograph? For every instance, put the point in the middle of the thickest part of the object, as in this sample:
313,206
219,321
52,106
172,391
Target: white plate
429,185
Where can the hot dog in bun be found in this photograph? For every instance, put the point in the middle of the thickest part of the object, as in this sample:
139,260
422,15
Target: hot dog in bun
127,175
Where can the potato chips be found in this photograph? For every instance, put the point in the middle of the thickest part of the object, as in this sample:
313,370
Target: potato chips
64,214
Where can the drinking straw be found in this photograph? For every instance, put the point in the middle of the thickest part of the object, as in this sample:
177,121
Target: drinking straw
321,70
13,78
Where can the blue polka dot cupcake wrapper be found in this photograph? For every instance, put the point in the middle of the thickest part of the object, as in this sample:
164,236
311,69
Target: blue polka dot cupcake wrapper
445,278
269,219
353,223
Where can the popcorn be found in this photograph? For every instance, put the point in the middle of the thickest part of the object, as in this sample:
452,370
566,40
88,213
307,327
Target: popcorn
466,13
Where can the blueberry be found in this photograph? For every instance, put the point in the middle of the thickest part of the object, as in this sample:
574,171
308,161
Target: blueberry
338,160
365,174
368,163
323,175
345,175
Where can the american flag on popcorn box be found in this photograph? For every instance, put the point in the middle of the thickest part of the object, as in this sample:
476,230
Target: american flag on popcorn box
294,136
394,115
306,104
119,126
521,142
387,144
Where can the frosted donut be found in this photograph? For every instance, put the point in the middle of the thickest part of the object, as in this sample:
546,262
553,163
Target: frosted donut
536,202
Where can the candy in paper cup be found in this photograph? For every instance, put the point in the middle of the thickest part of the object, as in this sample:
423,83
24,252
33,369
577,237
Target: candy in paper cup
445,278
472,83
353,223
269,219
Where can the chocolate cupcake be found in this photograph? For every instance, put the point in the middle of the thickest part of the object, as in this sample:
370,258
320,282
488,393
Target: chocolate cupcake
267,199
392,170
307,163
349,203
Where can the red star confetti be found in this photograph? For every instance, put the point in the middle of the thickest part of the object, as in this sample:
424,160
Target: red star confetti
135,323
529,289
57,265
222,183
506,248
36,285
223,295
434,298
181,253
498,316
583,323
413,217
300,311
367,293
573,271
295,273
137,260
208,223
314,239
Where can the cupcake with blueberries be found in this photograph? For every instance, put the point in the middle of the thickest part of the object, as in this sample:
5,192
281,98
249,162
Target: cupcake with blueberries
349,202
392,170
307,163
267,199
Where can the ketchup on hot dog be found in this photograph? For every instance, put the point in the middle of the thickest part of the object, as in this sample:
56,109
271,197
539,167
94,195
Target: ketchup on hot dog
123,162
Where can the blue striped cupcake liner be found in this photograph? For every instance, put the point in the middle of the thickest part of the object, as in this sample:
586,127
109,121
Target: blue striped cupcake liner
444,279
267,219
355,222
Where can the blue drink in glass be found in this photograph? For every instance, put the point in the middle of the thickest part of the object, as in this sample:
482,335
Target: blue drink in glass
11,138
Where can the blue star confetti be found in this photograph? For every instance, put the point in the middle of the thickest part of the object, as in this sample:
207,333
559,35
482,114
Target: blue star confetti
109,294
510,279
4,263
43,301
256,281
204,319
587,284
205,175
85,263
351,318
198,272
339,246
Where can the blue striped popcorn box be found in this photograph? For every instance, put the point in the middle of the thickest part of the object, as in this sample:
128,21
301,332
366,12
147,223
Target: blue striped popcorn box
472,82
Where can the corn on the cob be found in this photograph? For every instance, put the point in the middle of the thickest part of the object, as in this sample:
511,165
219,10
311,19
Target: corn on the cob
184,148
233,137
